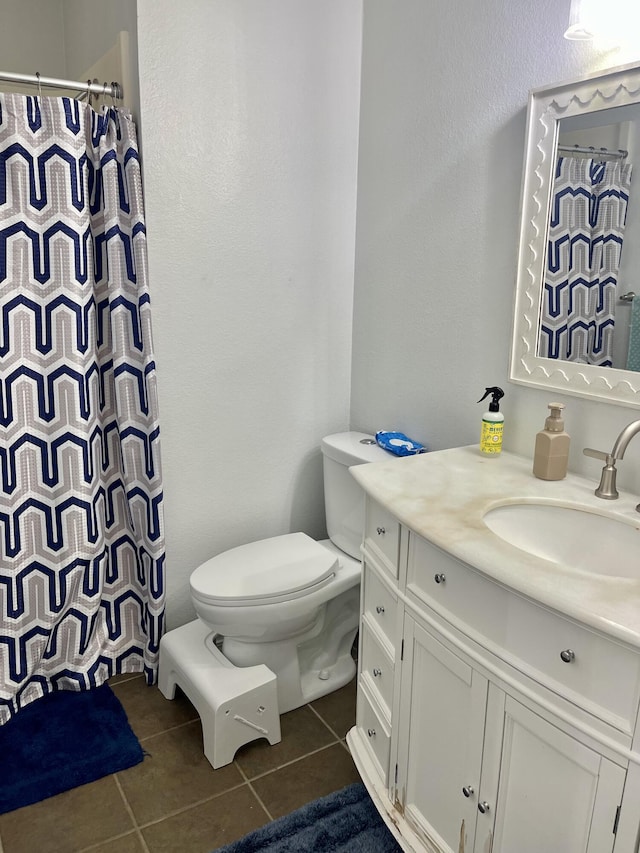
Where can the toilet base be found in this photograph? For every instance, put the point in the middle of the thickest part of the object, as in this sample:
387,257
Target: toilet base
312,664
235,705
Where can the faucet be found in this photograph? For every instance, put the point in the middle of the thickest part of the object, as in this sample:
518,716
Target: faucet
607,487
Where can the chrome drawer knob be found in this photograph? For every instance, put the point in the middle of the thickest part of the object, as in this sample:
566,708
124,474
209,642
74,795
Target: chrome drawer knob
376,672
380,531
568,656
483,807
371,732
439,578
467,791
379,609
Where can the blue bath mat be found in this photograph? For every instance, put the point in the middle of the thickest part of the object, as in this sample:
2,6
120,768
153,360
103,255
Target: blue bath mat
61,741
344,822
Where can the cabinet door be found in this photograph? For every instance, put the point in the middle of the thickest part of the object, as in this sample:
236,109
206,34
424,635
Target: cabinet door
554,793
442,711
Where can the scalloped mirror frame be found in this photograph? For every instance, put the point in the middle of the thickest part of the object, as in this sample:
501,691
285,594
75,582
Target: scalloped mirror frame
615,87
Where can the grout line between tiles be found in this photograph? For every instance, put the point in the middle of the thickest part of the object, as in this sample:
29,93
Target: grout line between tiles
259,799
190,806
253,791
293,761
170,729
246,781
321,718
131,814
99,844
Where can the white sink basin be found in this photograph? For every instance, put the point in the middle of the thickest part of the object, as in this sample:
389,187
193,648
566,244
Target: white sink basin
575,537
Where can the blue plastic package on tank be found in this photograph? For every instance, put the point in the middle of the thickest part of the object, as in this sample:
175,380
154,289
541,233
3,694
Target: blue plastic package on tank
399,444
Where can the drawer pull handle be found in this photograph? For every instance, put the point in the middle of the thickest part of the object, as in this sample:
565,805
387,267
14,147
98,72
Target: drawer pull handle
380,531
379,609
439,578
568,656
467,791
371,732
376,672
483,807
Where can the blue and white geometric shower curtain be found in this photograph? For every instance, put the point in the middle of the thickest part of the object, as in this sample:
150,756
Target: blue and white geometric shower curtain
81,526
587,221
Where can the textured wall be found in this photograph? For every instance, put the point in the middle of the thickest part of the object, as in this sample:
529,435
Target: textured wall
91,29
443,113
249,122
32,37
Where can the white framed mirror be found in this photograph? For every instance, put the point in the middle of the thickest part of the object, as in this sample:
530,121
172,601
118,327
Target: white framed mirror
576,329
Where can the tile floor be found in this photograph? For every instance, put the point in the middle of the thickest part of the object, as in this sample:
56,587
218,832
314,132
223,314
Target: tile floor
174,801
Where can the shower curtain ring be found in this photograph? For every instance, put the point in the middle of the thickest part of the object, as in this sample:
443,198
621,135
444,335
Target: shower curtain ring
39,84
89,92
104,95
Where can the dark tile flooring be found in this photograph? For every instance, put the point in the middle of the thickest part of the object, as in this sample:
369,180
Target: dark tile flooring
174,801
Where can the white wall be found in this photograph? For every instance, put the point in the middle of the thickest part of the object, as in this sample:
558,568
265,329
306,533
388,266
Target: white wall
91,29
249,115
443,113
32,37
65,38
250,132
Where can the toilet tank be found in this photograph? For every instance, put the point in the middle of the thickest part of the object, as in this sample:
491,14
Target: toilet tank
343,497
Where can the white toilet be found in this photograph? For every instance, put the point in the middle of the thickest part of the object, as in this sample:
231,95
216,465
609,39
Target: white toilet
290,602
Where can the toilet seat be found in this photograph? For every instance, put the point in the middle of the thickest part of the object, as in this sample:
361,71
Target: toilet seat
266,572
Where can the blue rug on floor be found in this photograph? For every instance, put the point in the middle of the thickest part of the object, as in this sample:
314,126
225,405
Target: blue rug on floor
61,741
344,822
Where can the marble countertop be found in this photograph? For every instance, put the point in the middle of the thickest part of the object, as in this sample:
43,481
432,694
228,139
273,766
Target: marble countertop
443,495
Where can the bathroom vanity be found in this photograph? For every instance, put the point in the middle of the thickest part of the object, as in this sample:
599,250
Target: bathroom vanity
499,659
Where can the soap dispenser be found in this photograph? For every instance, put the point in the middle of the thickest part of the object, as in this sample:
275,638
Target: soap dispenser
552,447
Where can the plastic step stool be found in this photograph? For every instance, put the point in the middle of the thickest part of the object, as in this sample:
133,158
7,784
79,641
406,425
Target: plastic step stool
236,705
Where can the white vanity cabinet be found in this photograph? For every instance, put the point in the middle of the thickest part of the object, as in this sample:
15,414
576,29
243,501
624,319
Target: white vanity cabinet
477,767
487,723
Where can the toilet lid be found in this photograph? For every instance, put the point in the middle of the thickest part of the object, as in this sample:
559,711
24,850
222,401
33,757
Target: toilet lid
266,571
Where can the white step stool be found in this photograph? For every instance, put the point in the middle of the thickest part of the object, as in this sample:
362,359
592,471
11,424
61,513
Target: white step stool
236,704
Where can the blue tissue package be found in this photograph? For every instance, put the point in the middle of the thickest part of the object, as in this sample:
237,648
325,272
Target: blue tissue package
399,444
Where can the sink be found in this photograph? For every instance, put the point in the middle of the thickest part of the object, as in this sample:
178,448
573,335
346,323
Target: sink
573,536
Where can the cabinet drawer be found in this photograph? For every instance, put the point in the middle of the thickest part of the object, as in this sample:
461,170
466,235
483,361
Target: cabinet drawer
380,606
602,676
375,734
377,668
587,668
472,602
382,536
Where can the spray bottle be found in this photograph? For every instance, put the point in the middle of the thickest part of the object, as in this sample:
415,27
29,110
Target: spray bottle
492,424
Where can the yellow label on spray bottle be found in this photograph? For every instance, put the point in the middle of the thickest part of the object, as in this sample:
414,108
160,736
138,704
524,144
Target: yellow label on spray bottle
491,437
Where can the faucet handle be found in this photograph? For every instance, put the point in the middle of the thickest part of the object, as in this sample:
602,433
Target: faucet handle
607,488
599,454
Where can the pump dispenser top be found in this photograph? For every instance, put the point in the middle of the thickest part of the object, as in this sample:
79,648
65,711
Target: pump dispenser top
551,455
554,422
492,423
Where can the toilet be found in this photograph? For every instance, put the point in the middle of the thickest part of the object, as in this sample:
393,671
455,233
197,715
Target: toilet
290,602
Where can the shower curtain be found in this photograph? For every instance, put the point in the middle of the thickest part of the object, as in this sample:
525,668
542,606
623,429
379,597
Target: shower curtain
587,220
81,528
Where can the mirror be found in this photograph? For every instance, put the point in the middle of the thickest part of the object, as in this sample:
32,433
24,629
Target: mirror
601,111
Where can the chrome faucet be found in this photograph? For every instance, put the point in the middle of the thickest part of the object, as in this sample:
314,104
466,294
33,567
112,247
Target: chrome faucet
607,487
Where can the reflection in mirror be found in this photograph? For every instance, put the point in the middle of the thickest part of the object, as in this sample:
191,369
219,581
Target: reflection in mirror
576,325
587,311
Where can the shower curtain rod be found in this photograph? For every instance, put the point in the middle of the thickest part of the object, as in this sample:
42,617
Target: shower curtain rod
589,149
112,89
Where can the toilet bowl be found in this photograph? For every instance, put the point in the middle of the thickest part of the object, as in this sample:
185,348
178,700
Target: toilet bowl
292,602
